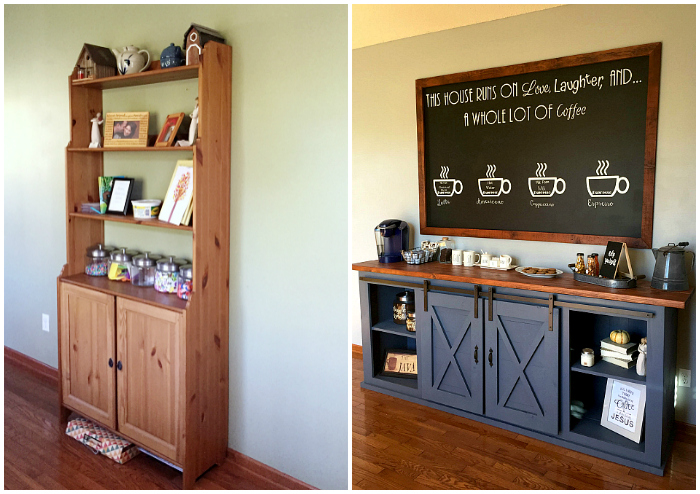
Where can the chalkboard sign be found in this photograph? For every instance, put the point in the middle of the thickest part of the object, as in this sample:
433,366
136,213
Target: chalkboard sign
561,150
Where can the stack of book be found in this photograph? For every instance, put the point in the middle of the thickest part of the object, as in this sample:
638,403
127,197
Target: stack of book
615,353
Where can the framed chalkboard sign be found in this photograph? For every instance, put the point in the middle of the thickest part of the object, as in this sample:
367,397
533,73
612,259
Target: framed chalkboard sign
560,150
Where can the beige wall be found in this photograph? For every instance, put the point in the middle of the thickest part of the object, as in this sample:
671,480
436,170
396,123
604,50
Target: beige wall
384,153
288,329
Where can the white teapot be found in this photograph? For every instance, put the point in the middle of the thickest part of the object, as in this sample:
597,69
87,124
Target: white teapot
131,60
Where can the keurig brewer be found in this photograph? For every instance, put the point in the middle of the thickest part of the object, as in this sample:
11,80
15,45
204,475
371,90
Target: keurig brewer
392,238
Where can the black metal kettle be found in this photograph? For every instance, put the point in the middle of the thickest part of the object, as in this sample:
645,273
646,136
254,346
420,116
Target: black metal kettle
669,271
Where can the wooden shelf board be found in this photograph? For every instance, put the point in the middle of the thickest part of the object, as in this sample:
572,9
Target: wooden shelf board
589,426
563,284
145,294
399,381
130,219
111,150
612,371
389,326
142,78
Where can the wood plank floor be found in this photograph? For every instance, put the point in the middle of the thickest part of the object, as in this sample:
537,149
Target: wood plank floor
39,455
400,445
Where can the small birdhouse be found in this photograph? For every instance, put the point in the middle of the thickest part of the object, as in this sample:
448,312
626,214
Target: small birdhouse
95,62
195,39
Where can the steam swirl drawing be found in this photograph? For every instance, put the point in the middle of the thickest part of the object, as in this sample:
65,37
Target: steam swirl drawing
604,185
492,186
446,187
543,186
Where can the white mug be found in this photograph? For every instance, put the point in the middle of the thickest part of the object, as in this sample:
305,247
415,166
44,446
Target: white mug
485,258
506,261
494,262
457,257
470,258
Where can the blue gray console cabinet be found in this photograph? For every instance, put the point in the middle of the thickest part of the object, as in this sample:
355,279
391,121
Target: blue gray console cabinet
504,349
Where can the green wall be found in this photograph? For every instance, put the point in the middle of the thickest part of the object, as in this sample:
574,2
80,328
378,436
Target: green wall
384,156
288,317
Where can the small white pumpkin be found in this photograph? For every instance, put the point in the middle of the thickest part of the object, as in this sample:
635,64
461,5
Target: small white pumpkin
620,337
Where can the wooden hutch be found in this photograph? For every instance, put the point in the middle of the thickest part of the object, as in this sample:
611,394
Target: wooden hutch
150,366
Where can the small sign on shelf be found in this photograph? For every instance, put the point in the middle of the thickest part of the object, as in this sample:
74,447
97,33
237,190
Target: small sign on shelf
401,363
612,263
623,408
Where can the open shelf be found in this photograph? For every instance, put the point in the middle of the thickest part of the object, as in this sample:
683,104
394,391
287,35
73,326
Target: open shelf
145,294
606,369
401,381
152,76
389,326
589,426
119,149
155,222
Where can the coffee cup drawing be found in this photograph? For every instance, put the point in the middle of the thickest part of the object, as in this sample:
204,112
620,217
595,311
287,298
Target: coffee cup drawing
604,185
541,186
446,187
491,186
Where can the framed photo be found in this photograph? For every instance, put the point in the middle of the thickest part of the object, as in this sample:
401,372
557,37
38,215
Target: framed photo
623,408
121,195
169,130
179,195
128,129
400,363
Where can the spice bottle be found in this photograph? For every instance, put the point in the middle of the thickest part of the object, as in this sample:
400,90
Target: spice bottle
580,264
590,266
597,265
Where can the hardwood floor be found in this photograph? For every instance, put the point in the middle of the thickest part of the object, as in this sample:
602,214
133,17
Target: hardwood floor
400,445
39,455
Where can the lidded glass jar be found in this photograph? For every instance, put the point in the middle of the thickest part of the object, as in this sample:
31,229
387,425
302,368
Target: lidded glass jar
590,266
143,269
97,260
166,275
445,247
411,321
580,263
403,303
184,282
120,264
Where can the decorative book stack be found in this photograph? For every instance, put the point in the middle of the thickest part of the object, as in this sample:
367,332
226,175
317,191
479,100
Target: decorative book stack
624,355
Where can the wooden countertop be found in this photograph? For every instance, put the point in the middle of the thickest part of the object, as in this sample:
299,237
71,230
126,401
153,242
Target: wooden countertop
563,284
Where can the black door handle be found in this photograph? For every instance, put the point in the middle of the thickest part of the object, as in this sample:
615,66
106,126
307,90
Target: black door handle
111,363
119,365
476,354
491,357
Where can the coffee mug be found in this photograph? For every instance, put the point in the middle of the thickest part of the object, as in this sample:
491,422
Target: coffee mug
505,261
457,257
485,258
446,187
606,185
493,187
545,186
471,258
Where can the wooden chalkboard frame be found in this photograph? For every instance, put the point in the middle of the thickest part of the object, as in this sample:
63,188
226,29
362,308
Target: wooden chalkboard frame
652,50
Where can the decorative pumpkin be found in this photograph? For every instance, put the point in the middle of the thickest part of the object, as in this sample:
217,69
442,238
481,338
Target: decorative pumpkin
620,337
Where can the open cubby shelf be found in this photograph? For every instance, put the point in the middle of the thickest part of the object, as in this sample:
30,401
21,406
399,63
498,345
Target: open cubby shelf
389,326
589,426
606,369
401,381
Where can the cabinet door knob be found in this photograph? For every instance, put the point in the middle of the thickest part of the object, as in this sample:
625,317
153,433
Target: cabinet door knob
491,357
476,354
111,363
119,365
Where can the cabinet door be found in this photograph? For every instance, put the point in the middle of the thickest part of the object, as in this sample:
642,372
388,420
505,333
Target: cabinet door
87,346
522,376
452,352
150,379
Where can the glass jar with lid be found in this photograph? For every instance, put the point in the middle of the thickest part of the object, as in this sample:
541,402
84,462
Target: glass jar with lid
580,263
166,275
143,269
184,282
403,303
445,247
411,321
120,264
97,260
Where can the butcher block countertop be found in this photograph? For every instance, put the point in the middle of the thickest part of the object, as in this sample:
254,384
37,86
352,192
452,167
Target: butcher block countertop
563,284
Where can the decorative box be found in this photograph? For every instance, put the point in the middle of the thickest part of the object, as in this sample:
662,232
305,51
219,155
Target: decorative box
101,440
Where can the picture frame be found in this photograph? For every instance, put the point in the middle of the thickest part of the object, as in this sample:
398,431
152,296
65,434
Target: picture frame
167,134
623,408
120,198
178,198
400,363
126,129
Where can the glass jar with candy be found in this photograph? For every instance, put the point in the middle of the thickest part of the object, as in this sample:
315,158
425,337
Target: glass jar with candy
97,260
120,263
184,282
166,275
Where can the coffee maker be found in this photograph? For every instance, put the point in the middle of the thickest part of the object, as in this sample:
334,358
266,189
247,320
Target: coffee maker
391,237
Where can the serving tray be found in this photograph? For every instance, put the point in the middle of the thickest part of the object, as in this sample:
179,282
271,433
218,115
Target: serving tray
606,282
